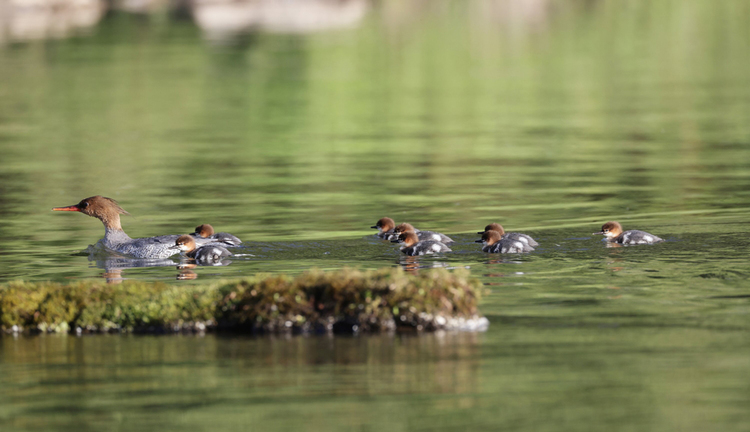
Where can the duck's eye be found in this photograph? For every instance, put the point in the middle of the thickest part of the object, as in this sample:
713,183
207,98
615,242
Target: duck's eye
83,204
606,231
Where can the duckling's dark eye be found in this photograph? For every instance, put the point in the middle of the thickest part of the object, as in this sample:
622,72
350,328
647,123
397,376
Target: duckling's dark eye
83,204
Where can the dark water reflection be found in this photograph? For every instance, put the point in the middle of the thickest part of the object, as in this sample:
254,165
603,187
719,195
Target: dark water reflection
109,378
450,116
522,376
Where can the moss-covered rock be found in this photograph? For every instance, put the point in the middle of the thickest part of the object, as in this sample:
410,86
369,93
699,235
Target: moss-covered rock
345,300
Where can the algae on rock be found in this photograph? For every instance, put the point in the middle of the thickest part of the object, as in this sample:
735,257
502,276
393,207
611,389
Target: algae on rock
347,300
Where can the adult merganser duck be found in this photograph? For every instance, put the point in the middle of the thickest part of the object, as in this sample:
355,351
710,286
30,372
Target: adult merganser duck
511,235
412,246
385,229
108,211
494,242
423,235
206,231
208,254
613,233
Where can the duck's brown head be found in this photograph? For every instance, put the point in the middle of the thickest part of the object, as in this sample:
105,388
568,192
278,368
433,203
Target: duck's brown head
204,230
184,243
408,238
404,227
493,227
610,230
105,209
384,224
490,237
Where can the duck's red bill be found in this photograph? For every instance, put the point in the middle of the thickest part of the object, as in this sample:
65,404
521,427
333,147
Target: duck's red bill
68,208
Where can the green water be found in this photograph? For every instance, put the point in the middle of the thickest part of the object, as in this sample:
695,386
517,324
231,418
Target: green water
446,115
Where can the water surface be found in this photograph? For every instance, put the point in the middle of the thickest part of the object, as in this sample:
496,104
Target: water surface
448,115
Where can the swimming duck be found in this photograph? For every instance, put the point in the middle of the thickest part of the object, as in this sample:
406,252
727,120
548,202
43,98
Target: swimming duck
412,246
206,231
207,254
612,232
494,242
385,229
115,239
423,235
510,235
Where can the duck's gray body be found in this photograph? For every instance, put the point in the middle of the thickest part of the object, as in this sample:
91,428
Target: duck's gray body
508,245
209,254
388,235
522,238
222,237
435,236
635,237
425,247
149,247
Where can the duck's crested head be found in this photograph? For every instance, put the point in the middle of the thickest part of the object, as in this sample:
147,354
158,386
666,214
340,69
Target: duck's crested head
610,229
490,237
105,209
185,243
204,230
384,224
404,227
408,238
493,227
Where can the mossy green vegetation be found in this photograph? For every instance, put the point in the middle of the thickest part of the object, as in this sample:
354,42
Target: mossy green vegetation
348,300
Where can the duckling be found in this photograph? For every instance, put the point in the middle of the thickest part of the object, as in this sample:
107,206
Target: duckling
511,235
412,246
494,242
208,254
385,229
423,235
612,232
206,231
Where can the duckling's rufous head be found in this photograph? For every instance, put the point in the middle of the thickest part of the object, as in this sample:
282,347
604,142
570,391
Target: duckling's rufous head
404,227
493,227
384,224
610,230
105,209
490,237
408,238
185,243
204,230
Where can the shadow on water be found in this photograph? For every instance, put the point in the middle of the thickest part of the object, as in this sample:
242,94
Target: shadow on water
115,266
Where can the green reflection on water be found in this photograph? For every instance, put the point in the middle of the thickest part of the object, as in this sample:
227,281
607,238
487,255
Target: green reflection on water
446,117
521,377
